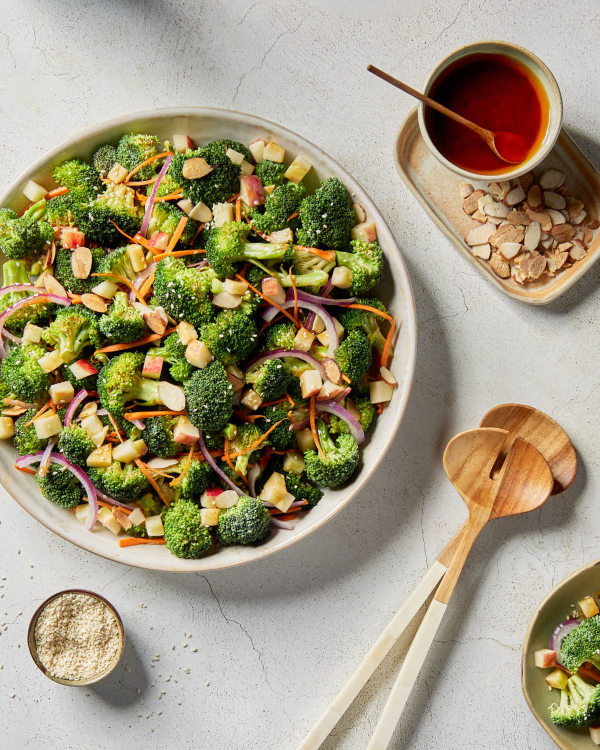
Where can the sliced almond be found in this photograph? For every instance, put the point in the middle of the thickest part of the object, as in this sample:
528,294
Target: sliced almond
508,250
480,216
465,189
515,195
574,207
593,224
94,302
506,233
332,370
547,243
560,259
499,267
518,217
49,256
498,210
155,321
53,286
541,217
537,266
171,395
532,236
195,168
480,235
81,262
578,251
551,179
580,218
482,251
499,189
564,246
535,198
484,200
556,217
562,232
527,180
554,200
161,463
14,411
588,236
469,205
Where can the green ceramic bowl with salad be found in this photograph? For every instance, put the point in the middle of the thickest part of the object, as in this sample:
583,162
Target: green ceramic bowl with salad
561,661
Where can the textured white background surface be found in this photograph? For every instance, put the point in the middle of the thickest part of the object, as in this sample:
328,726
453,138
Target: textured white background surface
277,639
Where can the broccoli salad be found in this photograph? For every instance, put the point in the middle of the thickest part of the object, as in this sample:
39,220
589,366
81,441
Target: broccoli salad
189,349
573,656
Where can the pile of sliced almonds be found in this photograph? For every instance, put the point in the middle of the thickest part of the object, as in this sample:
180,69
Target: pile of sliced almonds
528,229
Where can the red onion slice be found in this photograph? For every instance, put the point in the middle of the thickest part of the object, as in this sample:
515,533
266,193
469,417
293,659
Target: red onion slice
35,300
201,264
73,406
318,300
279,353
139,424
150,201
22,288
10,337
112,501
213,465
45,460
559,634
282,524
57,458
296,426
139,280
332,407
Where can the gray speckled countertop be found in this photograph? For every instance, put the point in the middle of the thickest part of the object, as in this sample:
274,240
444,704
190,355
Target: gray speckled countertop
277,639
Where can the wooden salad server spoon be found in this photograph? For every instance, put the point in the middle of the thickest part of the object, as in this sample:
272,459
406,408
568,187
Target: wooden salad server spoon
523,483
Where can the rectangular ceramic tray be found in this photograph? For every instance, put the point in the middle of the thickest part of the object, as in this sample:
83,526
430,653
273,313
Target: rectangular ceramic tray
437,189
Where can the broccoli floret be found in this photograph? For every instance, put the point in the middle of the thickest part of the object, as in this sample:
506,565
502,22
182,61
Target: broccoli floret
118,262
301,489
124,482
270,380
582,644
167,185
63,271
209,397
231,338
184,292
15,272
77,175
123,323
270,172
354,355
23,237
135,148
326,216
25,438
104,159
150,504
61,486
97,219
366,411
73,329
166,217
159,436
282,437
279,335
366,264
88,383
226,143
227,245
281,204
579,704
215,187
255,275
173,352
246,522
61,211
247,435
75,444
184,534
197,478
22,373
353,319
121,381
339,460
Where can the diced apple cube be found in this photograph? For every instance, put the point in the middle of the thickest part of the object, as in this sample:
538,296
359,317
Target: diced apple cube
99,437
222,213
281,237
293,462
311,383
234,156
46,427
137,517
273,152
338,327
129,450
595,735
137,257
34,192
117,174
62,393
152,367
7,428
186,332
227,499
185,432
101,458
251,399
107,519
247,168
367,231
106,289
323,338
209,516
198,354
318,326
154,526
160,241
72,238
208,499
201,212
341,277
274,490
303,340
380,392
182,142
544,658
305,440
51,361
588,606
272,289
330,390
252,191
298,169
82,368
227,301
32,334
185,205
236,383
81,512
257,149
91,425
351,407
235,287
557,679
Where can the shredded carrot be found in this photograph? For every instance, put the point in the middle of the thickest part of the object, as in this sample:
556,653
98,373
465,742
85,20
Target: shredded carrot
244,270
374,310
273,403
44,408
139,183
111,507
56,192
132,541
176,235
326,254
295,288
313,426
233,198
270,301
291,416
238,209
379,408
123,280
200,228
115,427
388,344
293,216
146,472
256,231
148,161
122,232
185,468
252,447
141,197
226,455
250,418
169,197
287,516
147,414
179,254
139,342
147,285
75,297
290,399
26,469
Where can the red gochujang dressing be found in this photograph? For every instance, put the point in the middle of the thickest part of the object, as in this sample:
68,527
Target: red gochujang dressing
496,92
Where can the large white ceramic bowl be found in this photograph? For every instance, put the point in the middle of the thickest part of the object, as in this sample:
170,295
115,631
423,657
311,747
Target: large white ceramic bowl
204,125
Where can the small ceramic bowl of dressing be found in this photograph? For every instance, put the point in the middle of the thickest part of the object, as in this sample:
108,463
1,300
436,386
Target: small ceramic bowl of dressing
501,87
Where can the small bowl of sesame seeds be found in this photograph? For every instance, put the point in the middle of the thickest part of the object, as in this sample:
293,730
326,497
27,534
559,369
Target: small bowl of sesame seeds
76,637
